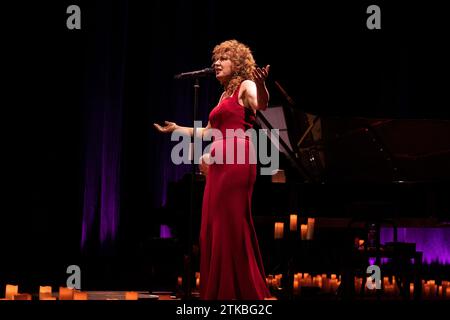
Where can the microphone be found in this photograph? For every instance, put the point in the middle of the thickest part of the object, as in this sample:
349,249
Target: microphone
195,74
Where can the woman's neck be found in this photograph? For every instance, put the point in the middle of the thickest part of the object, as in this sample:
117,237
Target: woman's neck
225,83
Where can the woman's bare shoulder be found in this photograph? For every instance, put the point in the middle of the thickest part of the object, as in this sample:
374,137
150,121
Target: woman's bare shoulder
246,86
247,83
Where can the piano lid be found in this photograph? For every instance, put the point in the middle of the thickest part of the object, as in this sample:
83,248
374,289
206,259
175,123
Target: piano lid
343,149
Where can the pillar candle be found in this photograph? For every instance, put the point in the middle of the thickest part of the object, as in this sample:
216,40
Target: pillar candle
80,296
358,283
45,292
197,283
22,296
361,244
293,222
333,285
131,295
11,290
326,283
278,280
269,280
426,290
310,232
279,228
303,230
296,278
179,284
432,286
65,293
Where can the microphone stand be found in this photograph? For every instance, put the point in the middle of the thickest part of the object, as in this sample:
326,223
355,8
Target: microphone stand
189,271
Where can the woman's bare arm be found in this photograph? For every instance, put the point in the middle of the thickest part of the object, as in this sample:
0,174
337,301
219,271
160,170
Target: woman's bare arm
170,127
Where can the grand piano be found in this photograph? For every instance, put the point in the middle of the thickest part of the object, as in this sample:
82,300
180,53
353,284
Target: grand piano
336,166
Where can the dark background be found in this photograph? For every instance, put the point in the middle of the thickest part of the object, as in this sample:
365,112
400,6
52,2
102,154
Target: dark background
126,53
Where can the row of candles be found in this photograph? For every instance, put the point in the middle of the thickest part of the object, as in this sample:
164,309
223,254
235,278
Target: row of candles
325,283
45,293
430,289
306,230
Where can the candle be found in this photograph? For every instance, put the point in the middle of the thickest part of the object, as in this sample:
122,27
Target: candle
279,228
358,283
65,293
432,286
310,232
131,295
326,283
279,177
333,285
180,281
278,280
361,244
269,280
10,291
296,277
274,282
293,222
303,230
307,280
22,296
317,281
411,289
426,290
45,292
80,295
394,286
197,283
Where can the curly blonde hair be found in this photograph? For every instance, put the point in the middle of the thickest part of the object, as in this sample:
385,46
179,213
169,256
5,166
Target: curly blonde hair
242,59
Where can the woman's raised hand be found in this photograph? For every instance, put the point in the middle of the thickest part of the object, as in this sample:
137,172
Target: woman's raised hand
260,74
169,127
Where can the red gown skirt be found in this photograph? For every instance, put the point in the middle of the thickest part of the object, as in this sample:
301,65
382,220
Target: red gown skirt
230,261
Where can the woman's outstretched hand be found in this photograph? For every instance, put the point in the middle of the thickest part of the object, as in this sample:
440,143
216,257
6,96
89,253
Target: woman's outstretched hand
260,74
169,127
204,164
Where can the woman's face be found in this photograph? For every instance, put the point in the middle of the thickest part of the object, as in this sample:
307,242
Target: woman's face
223,67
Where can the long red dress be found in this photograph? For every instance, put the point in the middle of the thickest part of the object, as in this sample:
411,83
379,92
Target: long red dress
230,261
